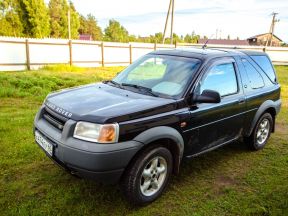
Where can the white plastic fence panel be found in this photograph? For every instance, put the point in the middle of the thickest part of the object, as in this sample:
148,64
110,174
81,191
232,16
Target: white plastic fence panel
116,54
86,54
12,53
89,53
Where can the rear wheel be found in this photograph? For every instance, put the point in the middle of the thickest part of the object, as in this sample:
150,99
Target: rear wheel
261,132
146,179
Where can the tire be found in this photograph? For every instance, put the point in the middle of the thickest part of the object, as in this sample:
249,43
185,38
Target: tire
153,166
261,133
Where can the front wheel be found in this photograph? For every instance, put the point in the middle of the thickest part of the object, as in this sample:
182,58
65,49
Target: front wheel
261,132
146,179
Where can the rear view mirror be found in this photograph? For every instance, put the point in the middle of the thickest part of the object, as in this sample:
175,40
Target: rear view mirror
207,96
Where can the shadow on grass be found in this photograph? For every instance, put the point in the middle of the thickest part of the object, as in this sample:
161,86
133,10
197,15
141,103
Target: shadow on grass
110,195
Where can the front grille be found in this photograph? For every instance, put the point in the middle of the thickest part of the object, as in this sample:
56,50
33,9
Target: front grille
54,119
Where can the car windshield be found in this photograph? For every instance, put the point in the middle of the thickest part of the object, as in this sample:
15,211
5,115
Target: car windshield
159,75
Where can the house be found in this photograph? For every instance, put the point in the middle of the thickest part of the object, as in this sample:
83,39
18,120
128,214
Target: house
224,42
261,40
85,37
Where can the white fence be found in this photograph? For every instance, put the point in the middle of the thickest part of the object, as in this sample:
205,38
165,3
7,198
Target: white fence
22,53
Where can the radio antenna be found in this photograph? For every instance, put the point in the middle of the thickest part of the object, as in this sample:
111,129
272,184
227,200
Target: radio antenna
206,42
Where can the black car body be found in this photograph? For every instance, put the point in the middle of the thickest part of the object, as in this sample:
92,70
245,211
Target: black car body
187,124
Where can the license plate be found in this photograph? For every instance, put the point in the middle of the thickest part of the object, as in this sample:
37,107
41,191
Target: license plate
48,147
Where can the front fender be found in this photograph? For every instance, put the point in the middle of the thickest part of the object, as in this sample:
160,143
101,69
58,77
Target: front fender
162,132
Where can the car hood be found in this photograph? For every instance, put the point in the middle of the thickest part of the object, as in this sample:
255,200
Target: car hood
102,103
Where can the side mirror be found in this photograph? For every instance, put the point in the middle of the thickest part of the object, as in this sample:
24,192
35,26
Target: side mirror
207,96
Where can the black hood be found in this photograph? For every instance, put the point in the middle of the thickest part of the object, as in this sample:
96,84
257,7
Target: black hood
102,103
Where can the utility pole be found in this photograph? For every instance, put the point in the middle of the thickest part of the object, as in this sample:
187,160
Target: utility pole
172,23
170,8
272,27
167,17
69,21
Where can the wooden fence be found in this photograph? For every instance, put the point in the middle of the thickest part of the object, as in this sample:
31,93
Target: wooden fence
22,53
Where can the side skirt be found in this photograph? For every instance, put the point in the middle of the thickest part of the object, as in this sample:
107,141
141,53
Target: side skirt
213,148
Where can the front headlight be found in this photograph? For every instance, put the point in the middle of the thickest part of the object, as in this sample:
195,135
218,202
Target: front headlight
107,133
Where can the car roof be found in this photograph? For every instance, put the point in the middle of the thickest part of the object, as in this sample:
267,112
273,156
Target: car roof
252,52
206,53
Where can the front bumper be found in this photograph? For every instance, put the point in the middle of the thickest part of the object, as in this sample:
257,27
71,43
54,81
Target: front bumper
102,162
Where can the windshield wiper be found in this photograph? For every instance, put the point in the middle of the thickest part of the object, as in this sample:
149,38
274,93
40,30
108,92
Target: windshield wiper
146,89
114,83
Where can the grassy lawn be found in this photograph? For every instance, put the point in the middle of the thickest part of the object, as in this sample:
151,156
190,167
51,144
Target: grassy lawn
229,181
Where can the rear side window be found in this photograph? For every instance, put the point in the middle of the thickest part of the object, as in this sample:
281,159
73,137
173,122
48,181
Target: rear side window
255,79
266,66
220,78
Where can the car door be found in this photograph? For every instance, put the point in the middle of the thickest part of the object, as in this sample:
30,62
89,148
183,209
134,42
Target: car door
217,124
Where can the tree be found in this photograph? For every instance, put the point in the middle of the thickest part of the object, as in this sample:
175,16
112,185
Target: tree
187,38
83,25
193,38
90,26
10,21
158,37
132,38
56,17
116,32
228,37
75,23
58,10
177,38
35,18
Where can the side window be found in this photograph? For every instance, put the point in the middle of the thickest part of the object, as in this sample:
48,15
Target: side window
254,76
220,78
266,66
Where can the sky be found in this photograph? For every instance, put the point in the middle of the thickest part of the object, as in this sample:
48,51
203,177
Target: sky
237,18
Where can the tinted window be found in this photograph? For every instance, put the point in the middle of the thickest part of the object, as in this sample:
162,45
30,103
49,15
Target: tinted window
265,64
220,78
255,79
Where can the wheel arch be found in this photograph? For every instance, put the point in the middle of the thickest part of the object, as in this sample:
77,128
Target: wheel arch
164,136
269,106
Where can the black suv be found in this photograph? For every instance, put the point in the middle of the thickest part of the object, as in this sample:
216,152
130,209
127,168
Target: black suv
168,105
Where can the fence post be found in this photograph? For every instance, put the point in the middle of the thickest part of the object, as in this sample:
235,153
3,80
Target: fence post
27,54
102,54
130,53
155,46
70,53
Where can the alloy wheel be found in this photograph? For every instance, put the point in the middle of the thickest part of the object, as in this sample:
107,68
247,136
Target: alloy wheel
153,176
263,131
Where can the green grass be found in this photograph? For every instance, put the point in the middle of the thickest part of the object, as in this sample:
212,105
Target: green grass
37,84
228,181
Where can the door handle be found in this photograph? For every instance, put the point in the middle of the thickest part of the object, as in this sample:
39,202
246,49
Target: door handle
241,100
